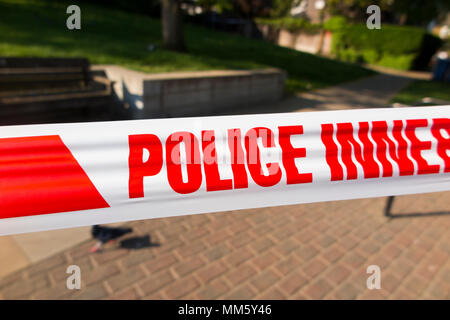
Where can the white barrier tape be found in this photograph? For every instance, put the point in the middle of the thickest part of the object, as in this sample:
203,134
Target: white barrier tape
68,175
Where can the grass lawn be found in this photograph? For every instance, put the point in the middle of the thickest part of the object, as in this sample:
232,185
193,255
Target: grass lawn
419,89
33,28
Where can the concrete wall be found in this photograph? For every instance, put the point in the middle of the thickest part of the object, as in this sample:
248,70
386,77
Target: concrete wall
194,93
301,41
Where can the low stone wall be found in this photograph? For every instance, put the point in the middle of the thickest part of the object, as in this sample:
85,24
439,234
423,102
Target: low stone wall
301,40
194,93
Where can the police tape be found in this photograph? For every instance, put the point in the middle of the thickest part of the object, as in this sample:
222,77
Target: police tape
69,175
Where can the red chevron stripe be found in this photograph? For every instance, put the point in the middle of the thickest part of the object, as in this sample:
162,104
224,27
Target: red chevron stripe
39,175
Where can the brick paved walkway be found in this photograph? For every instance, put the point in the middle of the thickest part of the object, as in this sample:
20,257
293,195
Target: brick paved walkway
296,252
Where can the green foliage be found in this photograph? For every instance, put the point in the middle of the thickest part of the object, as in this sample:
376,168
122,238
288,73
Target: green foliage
354,10
371,56
219,5
410,12
392,46
402,62
350,55
290,23
419,12
335,23
281,8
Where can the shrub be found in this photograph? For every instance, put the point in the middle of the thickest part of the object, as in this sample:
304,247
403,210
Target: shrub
350,55
400,47
335,23
402,62
371,56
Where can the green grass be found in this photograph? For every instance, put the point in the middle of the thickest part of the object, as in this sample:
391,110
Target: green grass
419,89
32,28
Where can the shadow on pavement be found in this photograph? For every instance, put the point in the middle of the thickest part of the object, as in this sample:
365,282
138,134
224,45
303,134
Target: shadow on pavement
138,242
418,215
388,213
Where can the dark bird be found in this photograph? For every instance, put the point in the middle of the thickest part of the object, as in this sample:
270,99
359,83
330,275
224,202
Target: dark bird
106,234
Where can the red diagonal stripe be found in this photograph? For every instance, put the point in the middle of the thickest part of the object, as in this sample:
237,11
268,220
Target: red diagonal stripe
39,175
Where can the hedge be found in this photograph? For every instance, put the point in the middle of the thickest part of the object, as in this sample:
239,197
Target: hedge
400,47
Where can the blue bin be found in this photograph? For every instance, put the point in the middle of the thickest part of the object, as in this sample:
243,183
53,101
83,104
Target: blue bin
442,70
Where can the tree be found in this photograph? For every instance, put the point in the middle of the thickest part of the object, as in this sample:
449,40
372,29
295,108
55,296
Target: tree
411,12
355,10
219,6
172,25
419,12
252,8
281,8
